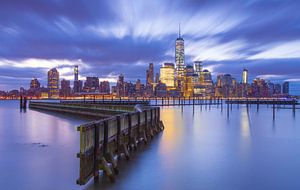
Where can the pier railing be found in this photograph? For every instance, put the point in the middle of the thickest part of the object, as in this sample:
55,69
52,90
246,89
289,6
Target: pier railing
103,142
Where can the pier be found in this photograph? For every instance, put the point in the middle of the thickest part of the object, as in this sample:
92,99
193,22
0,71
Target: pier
119,130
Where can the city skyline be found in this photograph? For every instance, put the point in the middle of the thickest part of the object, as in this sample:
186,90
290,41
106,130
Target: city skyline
227,39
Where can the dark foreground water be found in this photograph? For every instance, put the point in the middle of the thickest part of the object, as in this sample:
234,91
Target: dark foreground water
200,149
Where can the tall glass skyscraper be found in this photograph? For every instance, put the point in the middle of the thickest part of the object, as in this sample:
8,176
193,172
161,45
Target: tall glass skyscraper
53,83
245,76
198,67
76,73
179,56
167,74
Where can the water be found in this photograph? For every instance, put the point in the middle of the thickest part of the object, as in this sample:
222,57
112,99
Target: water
200,149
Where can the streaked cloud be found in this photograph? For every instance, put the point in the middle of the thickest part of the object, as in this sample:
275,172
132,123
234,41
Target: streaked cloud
123,36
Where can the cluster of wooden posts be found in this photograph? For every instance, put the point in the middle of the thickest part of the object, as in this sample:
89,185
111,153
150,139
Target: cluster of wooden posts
104,142
23,102
275,103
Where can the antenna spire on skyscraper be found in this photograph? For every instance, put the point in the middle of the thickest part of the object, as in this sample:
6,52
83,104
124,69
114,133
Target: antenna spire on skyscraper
179,31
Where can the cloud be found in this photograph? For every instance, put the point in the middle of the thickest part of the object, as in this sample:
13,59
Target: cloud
123,36
280,51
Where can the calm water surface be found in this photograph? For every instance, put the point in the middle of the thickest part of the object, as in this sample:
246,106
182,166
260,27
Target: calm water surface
200,149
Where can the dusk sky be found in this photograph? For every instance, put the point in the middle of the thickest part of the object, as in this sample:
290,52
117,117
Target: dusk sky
106,38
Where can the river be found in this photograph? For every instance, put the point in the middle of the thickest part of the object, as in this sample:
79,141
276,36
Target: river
200,148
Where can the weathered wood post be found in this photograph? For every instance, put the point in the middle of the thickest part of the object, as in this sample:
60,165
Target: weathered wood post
129,130
294,108
228,107
25,103
21,102
221,105
118,133
96,153
145,128
273,109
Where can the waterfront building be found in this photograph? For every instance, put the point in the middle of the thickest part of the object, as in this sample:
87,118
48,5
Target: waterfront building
120,88
245,76
286,88
259,88
104,87
157,78
76,72
179,63
197,67
167,74
35,84
277,89
77,85
91,85
150,74
77,88
179,56
53,83
161,90
271,88
65,90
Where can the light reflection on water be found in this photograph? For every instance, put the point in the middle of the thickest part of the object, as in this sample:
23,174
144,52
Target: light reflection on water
199,149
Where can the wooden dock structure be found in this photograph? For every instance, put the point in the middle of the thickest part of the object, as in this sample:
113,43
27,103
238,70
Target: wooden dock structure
119,130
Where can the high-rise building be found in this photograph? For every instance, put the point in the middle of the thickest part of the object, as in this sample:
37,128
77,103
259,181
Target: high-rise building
179,56
150,74
77,86
76,73
53,83
286,88
65,88
120,88
104,87
167,74
91,84
245,76
157,78
277,89
259,88
198,67
34,84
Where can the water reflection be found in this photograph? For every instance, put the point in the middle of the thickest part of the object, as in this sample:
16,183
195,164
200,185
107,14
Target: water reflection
199,149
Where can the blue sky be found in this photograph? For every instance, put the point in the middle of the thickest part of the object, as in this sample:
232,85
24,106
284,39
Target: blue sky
109,37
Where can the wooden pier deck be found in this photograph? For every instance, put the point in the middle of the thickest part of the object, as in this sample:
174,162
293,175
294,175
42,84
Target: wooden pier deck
119,130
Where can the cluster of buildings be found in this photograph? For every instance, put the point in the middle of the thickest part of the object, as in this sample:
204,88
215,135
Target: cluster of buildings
173,80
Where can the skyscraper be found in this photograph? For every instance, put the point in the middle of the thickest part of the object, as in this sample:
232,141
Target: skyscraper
35,84
120,86
156,78
198,67
245,76
150,74
179,56
167,74
65,88
104,87
286,88
53,83
76,73
77,86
